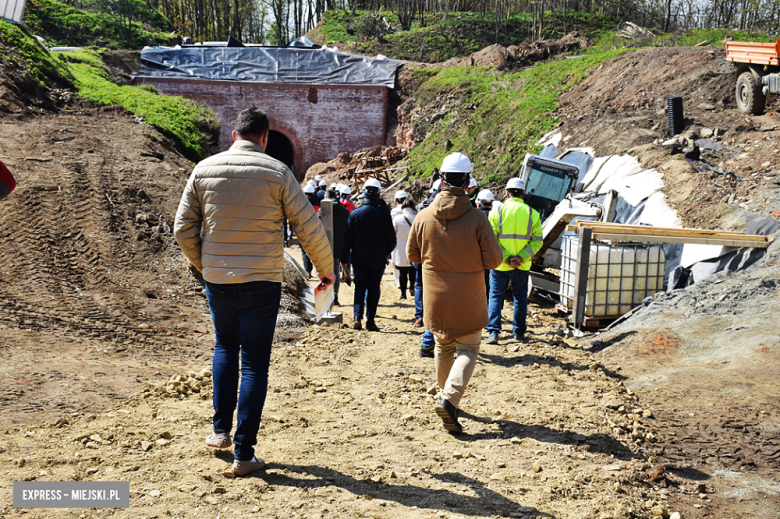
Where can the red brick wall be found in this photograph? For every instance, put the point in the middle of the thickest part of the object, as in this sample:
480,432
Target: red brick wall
320,120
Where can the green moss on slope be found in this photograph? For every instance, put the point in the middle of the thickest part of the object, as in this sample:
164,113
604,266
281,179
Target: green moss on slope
64,25
47,69
191,124
500,116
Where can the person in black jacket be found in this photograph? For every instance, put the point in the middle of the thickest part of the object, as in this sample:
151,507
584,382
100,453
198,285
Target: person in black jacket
340,215
315,203
370,238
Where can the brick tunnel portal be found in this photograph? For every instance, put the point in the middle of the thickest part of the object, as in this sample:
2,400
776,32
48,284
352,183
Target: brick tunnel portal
313,123
280,148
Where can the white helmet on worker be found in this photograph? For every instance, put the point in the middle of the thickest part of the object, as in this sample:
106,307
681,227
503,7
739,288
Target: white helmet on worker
345,190
515,183
456,170
486,195
311,183
309,189
400,195
372,182
455,163
472,183
436,186
334,186
323,183
317,178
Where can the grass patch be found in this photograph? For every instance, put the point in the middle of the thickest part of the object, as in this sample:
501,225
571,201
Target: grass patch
64,25
702,37
191,124
713,37
456,34
500,117
40,64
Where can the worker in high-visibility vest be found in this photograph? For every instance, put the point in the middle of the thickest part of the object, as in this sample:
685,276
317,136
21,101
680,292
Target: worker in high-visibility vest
519,232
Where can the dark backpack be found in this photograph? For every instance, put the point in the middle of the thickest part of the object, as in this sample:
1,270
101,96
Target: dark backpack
7,182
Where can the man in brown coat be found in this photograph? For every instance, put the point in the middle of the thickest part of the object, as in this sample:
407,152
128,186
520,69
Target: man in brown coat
454,242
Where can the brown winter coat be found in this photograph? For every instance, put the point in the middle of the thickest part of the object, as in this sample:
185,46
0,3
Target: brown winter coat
455,244
229,222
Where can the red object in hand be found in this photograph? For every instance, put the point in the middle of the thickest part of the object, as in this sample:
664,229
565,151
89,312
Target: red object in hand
7,182
325,282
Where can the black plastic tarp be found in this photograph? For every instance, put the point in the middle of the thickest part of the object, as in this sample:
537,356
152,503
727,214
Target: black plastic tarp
267,65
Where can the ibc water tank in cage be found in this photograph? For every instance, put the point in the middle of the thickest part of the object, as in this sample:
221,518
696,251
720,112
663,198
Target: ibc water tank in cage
620,276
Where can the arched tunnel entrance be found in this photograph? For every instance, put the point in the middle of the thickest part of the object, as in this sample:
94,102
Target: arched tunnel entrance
280,148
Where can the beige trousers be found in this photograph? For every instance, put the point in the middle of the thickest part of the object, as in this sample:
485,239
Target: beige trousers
454,373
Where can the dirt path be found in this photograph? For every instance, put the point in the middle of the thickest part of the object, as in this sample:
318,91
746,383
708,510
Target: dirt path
349,431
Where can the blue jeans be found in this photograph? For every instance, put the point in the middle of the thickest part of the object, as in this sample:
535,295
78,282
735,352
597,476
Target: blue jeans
367,281
499,279
428,341
418,291
244,316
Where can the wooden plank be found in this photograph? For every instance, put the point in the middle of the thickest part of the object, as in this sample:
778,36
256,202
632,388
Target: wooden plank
655,231
694,240
643,227
581,276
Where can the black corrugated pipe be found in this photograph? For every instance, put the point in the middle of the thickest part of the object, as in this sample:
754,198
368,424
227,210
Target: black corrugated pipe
674,108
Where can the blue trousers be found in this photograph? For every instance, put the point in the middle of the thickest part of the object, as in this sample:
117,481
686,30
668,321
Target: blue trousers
418,291
499,279
428,341
367,281
244,316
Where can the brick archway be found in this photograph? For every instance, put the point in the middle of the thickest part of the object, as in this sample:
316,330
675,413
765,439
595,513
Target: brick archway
320,121
297,168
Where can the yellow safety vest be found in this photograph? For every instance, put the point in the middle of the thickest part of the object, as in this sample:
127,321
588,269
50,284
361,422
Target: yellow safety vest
519,232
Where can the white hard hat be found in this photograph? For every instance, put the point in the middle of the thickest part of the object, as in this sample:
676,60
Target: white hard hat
400,195
317,178
334,186
472,183
455,163
312,183
436,186
372,182
485,194
323,183
309,189
515,183
345,190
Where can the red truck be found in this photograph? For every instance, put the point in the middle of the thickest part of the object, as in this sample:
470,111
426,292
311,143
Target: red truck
758,72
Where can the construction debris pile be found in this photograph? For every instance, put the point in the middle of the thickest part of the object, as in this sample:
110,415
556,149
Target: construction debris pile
355,168
515,56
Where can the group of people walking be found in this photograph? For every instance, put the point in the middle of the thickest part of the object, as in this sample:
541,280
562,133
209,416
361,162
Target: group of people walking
446,250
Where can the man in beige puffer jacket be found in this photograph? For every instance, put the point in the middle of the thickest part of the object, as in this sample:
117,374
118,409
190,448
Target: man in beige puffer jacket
454,242
229,226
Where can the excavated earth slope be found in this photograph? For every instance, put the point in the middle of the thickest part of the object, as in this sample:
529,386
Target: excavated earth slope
705,356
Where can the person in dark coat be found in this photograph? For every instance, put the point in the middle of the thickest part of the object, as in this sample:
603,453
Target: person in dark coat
322,190
370,238
340,215
311,196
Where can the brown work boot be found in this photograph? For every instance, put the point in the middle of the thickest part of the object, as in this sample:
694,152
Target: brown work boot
242,468
357,326
418,323
219,440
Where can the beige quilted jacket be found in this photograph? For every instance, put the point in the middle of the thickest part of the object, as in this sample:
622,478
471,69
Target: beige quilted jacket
229,222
